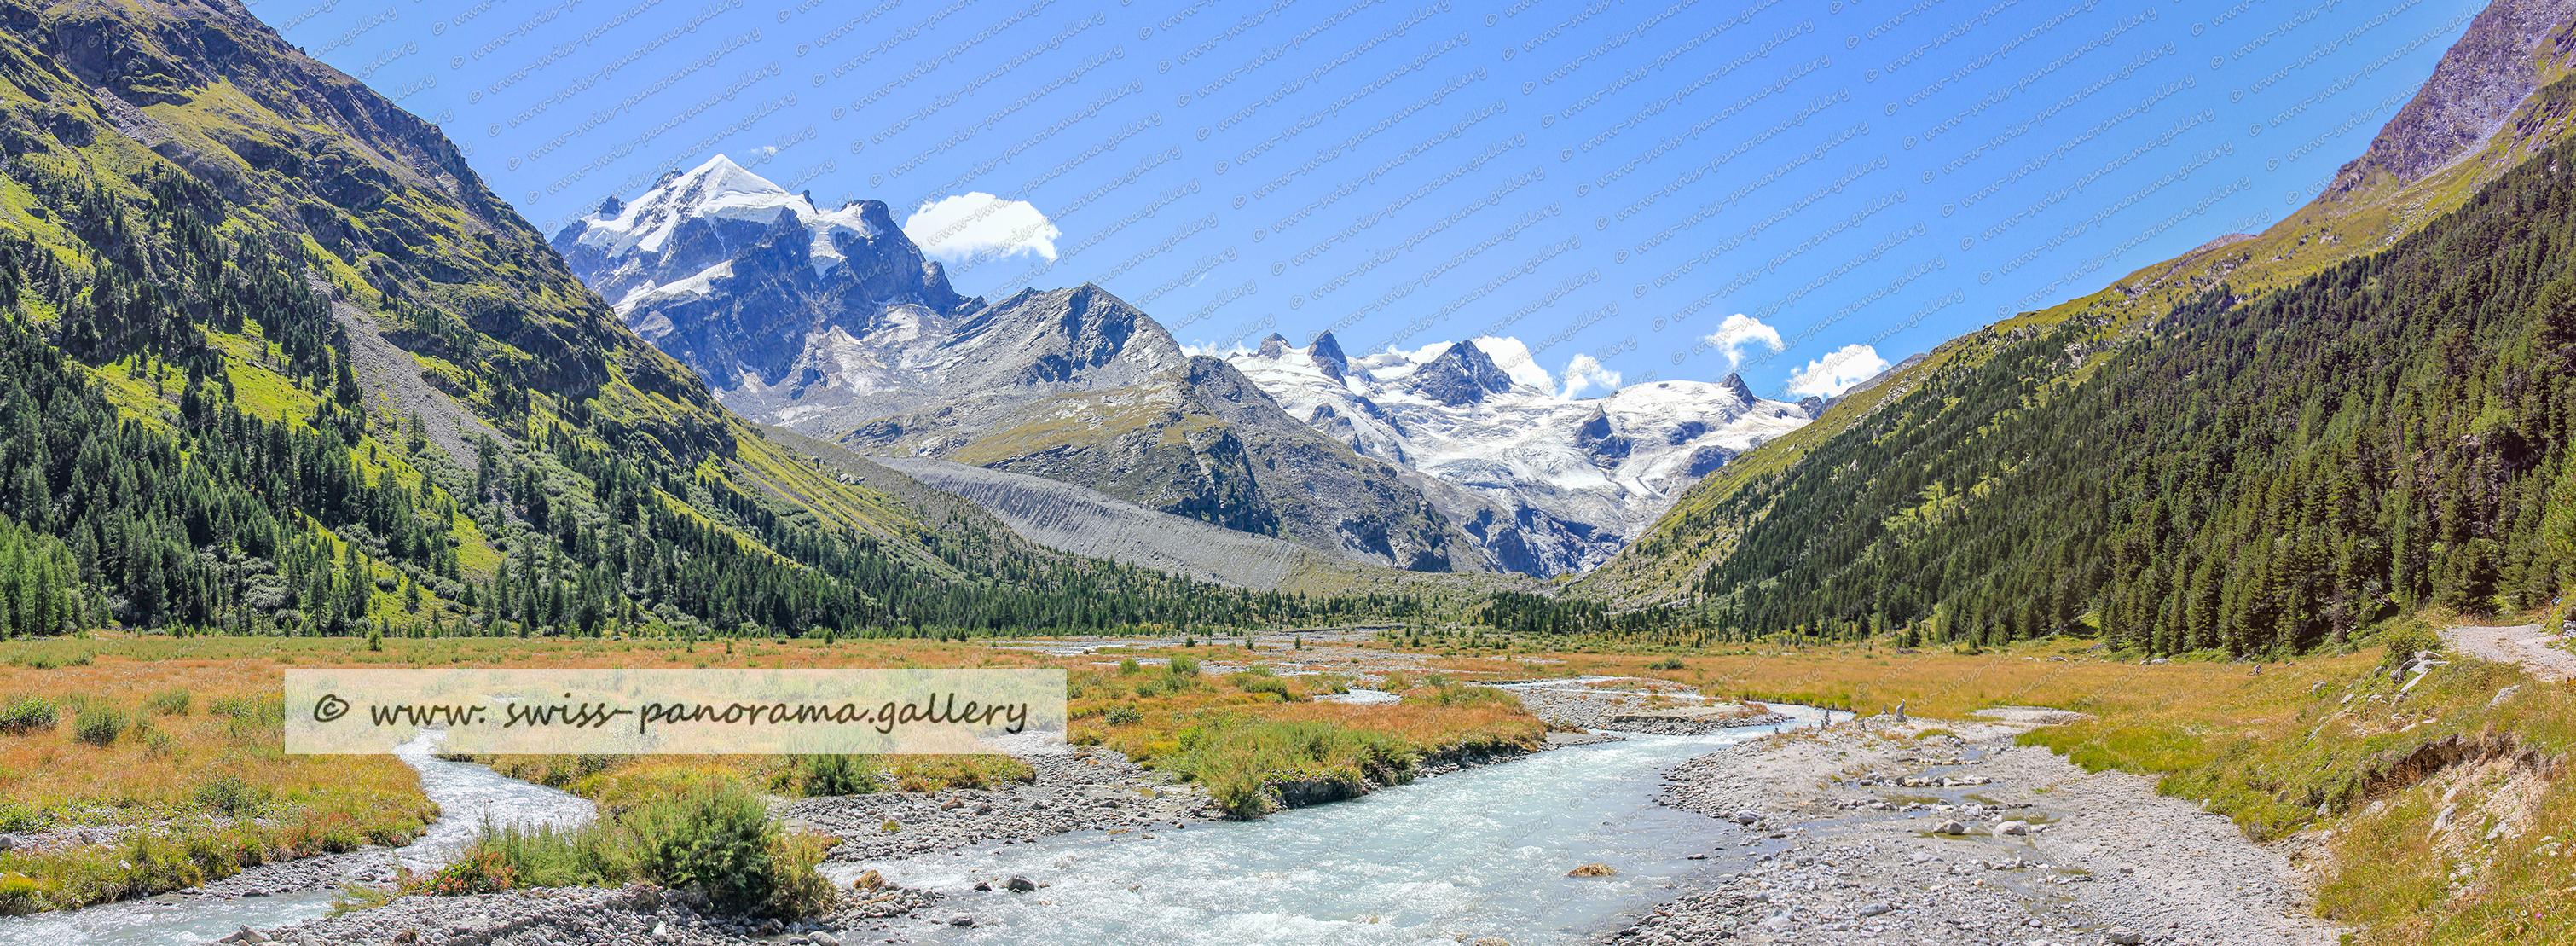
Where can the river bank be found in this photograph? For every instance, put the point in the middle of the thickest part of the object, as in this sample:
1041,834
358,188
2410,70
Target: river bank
1948,832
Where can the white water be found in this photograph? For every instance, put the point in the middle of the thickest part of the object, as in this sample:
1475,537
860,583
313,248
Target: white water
466,796
1483,852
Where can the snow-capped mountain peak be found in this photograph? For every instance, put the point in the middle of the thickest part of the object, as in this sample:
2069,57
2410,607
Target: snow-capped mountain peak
1460,376
1549,483
652,234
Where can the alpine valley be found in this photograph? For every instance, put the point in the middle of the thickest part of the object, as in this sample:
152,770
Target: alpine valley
2225,604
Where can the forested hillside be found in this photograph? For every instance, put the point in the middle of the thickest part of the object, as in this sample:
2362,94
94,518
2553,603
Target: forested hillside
273,360
2251,475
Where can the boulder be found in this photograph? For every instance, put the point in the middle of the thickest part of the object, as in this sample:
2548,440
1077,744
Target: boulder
2016,828
1021,885
1592,870
1951,827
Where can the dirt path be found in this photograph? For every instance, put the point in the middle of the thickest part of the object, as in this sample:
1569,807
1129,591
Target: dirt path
2522,644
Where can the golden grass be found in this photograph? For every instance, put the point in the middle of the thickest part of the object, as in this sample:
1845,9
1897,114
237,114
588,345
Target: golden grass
208,786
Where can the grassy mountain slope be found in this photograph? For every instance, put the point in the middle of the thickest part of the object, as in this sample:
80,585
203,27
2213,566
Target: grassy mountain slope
2246,475
2512,70
275,360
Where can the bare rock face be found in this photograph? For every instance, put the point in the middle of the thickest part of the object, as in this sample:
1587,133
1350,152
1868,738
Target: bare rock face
2480,81
1462,375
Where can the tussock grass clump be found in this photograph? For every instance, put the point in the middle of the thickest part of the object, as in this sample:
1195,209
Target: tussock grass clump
100,725
28,714
1248,765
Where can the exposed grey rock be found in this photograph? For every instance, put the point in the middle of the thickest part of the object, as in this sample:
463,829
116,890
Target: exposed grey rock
1462,375
2479,83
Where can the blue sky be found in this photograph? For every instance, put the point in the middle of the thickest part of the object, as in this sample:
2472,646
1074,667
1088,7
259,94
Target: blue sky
1796,191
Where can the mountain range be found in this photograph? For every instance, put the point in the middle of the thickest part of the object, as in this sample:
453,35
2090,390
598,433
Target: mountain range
835,324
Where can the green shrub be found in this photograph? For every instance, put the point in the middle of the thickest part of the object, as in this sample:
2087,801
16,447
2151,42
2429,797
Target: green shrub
829,775
1185,666
27,714
1263,684
100,725
719,842
1122,715
1129,666
2403,638
1668,663
170,702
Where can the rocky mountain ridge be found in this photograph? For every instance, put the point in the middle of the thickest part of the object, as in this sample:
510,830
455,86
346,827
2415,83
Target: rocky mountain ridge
1548,484
835,324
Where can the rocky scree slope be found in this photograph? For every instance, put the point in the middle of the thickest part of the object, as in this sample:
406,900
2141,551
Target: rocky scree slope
1204,442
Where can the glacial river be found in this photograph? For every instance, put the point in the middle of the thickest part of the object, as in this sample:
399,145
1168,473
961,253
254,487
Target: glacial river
1478,853
1473,854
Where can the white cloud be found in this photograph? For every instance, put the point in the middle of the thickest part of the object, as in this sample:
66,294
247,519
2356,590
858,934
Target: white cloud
1835,373
1585,372
1514,358
1738,331
954,228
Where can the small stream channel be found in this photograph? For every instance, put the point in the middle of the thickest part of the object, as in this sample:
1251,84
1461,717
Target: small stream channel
466,795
